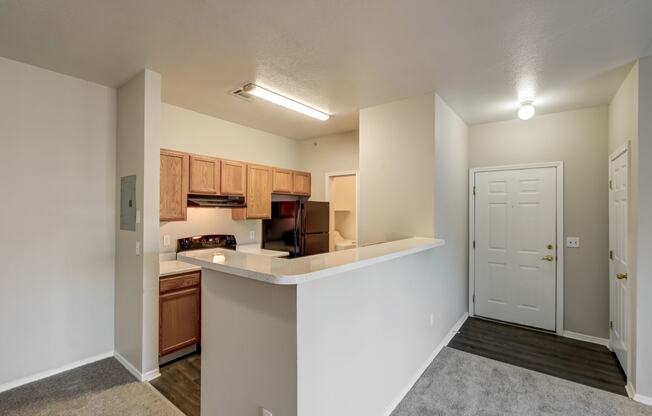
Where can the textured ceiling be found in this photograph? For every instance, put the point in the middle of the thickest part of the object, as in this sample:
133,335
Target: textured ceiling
339,55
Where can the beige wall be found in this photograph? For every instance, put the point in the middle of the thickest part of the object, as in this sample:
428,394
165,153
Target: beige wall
579,139
623,126
334,153
397,152
194,132
57,175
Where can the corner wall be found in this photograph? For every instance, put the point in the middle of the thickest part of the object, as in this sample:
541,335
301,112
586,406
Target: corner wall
137,274
642,201
623,127
326,154
579,139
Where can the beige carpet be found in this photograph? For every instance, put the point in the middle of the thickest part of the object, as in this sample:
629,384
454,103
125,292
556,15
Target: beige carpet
101,388
462,384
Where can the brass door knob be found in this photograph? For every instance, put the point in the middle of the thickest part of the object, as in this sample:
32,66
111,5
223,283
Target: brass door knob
549,257
621,276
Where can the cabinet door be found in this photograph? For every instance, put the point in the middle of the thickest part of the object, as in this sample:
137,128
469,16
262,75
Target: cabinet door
204,175
282,181
179,319
234,177
301,183
259,192
173,186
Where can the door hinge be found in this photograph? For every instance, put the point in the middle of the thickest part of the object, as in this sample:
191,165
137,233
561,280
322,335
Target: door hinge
473,243
611,324
474,190
611,184
611,254
474,298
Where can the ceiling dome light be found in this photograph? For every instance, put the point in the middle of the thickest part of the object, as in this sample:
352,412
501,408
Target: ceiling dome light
526,111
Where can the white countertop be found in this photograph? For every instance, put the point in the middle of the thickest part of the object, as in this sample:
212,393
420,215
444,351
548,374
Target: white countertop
255,249
171,267
303,269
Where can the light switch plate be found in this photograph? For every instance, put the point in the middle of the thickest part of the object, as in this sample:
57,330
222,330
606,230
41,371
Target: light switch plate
265,412
166,240
138,248
252,235
572,242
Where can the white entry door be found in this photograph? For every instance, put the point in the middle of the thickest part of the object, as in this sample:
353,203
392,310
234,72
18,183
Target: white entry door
515,239
618,285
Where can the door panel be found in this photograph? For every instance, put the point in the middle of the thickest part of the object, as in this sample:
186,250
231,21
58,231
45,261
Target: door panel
618,223
515,220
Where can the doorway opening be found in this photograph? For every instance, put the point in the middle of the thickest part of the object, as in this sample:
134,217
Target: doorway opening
342,193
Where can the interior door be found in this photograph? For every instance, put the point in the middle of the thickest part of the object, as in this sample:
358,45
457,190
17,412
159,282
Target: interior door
618,284
515,255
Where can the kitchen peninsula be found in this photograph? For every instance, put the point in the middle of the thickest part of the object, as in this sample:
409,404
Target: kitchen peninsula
299,336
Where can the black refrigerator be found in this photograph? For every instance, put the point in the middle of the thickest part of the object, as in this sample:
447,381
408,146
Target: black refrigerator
299,227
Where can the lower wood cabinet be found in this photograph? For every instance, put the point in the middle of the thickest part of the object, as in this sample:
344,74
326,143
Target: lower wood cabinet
179,312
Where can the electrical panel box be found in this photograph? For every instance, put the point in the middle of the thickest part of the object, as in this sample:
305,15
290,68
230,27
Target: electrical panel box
128,203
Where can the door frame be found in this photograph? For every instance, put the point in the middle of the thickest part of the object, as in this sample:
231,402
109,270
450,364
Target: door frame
559,270
625,147
327,181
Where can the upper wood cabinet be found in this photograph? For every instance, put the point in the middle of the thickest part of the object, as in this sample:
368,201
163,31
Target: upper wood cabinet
282,181
204,175
234,178
259,192
301,183
173,185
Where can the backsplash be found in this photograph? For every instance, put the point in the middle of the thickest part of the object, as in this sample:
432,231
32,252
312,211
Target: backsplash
209,221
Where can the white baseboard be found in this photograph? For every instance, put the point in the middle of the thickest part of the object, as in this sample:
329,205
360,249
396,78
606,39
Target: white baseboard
150,375
426,364
39,376
643,399
587,338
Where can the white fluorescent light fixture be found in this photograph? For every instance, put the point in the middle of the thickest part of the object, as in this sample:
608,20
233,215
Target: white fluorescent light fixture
526,111
275,98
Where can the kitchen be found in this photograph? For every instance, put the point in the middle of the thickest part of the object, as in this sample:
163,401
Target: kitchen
206,161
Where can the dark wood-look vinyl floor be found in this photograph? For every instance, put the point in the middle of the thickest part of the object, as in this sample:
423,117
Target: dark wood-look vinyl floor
582,362
180,382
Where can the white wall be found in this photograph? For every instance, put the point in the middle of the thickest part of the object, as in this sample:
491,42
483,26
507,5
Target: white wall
193,132
326,154
57,175
579,138
137,275
623,126
643,205
451,207
397,170
364,335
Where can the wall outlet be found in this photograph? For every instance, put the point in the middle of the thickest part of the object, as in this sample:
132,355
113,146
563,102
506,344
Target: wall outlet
166,240
265,412
572,242
252,236
432,319
138,248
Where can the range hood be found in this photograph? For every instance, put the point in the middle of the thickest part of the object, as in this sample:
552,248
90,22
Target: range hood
216,201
